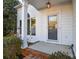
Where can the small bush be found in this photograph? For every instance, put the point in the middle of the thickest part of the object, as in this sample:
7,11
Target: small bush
59,55
11,47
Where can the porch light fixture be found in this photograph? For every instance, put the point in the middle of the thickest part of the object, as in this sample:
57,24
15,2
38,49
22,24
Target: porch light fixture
48,4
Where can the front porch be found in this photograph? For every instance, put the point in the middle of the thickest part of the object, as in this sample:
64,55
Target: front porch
53,27
42,50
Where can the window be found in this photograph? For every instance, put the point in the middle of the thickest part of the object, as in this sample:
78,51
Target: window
20,26
31,25
28,26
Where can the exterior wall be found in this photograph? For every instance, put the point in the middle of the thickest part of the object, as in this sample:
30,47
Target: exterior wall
74,25
65,23
19,17
22,15
35,13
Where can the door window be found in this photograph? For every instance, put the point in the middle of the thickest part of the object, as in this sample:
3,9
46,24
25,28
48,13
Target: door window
52,27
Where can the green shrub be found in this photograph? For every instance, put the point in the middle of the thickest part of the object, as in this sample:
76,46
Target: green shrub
59,55
11,47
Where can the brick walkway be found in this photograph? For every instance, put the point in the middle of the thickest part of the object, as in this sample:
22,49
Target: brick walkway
33,54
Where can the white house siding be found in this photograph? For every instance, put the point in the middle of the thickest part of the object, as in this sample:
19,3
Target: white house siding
19,17
65,20
74,25
35,13
65,23
22,15
48,12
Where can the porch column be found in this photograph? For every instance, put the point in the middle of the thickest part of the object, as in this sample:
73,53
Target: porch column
24,23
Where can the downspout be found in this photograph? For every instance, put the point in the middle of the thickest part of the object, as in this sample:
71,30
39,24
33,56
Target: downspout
74,57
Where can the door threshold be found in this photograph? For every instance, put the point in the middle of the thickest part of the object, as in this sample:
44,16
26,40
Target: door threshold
53,41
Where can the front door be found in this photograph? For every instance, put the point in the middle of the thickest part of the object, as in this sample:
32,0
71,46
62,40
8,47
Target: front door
52,27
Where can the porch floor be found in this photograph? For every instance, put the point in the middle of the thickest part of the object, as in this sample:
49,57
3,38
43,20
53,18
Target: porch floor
50,48
43,49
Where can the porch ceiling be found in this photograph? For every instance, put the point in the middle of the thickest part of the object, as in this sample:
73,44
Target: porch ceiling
41,4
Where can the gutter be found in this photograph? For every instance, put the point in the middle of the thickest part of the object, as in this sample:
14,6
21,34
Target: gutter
18,6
